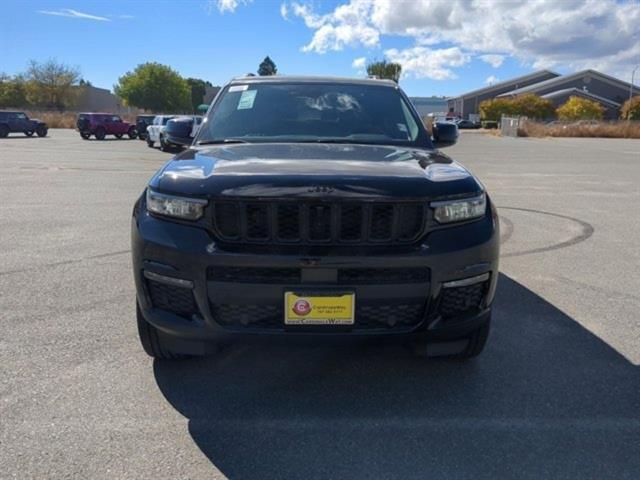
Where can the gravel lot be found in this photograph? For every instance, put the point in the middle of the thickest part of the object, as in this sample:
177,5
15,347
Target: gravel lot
555,395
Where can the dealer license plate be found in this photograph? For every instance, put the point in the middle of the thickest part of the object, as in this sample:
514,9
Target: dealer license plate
319,308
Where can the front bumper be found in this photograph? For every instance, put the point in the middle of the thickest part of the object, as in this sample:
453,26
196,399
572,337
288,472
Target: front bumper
164,249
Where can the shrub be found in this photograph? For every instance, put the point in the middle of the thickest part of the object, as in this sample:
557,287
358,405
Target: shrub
631,109
577,108
621,129
527,105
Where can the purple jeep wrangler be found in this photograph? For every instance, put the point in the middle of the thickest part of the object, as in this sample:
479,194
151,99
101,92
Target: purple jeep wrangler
102,124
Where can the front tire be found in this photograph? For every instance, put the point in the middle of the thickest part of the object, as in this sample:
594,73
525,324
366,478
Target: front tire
41,131
133,133
152,341
100,133
163,146
150,143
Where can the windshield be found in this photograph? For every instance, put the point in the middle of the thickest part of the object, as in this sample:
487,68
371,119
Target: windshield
310,112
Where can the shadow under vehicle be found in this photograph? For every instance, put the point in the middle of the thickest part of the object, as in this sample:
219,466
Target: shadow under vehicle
547,399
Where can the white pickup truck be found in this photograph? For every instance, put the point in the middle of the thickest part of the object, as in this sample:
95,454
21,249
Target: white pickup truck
156,129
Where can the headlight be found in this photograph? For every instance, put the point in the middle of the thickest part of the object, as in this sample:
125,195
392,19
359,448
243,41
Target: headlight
176,207
459,210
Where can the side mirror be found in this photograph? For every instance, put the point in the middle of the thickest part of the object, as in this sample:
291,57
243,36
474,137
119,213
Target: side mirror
445,134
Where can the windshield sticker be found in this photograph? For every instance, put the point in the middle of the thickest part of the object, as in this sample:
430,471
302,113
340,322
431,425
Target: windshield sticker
402,127
238,88
246,99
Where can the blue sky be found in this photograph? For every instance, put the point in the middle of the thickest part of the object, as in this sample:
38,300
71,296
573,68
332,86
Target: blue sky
445,47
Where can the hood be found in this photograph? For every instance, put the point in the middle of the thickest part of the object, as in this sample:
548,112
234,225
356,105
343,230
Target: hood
314,170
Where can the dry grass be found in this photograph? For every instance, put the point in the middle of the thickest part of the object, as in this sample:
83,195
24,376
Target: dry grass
620,129
64,119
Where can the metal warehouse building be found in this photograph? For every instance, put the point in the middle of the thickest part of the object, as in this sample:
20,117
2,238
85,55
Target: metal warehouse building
609,91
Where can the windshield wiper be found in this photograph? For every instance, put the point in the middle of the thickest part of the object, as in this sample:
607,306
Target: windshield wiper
221,141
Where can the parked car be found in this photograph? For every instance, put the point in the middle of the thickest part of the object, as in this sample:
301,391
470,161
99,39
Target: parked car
102,124
156,129
142,122
181,131
19,122
316,209
467,124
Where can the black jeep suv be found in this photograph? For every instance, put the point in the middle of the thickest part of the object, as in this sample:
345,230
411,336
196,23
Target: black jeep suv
315,209
142,122
18,122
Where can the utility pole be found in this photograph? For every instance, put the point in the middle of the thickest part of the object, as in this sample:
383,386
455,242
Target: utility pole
633,74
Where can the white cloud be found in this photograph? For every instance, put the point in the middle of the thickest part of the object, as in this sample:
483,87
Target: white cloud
577,34
224,6
424,62
347,26
70,13
493,59
491,79
359,63
284,11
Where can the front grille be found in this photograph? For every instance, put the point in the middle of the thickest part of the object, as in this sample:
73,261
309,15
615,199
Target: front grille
173,299
293,276
319,222
460,300
368,316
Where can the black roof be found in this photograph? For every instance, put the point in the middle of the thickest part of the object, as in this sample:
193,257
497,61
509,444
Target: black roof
313,79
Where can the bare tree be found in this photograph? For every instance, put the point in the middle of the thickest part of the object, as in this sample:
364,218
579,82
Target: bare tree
51,84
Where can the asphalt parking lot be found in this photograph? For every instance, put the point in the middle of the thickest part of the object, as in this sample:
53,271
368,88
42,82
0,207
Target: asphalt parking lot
556,393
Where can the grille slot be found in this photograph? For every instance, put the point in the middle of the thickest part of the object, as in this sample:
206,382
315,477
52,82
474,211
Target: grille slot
319,222
254,274
389,316
173,299
383,275
293,276
247,314
381,222
288,222
460,300
257,221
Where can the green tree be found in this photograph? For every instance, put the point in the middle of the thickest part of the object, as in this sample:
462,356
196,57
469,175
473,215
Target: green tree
51,84
154,87
577,108
198,90
267,67
13,91
631,109
384,69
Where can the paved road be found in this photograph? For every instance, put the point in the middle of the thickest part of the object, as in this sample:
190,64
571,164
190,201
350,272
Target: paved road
555,395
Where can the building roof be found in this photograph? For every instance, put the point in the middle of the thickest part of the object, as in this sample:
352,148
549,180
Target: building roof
536,87
580,92
313,79
499,85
